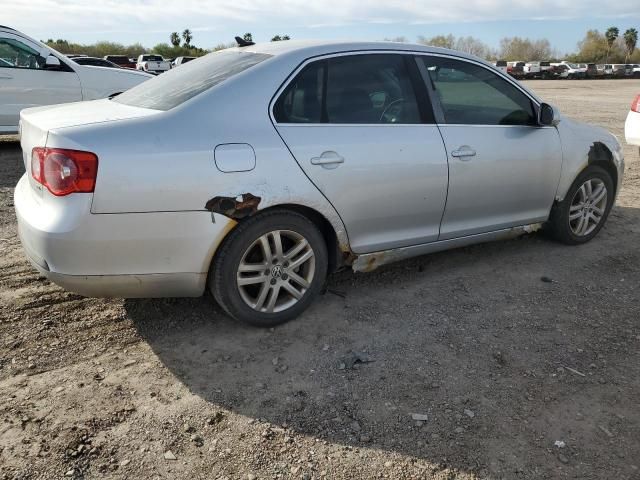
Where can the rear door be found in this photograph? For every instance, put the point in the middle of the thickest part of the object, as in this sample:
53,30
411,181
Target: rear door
360,127
26,82
503,167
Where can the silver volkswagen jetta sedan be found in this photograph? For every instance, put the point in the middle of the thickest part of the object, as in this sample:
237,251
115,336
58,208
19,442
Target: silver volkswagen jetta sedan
255,171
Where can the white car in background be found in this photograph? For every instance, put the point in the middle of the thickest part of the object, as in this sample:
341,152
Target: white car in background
153,63
632,125
32,74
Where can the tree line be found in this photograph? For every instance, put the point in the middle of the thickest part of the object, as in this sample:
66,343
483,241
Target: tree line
596,46
180,45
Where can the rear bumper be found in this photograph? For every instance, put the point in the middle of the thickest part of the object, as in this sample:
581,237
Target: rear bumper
154,254
632,128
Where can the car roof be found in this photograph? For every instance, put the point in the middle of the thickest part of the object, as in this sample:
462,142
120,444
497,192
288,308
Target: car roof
311,48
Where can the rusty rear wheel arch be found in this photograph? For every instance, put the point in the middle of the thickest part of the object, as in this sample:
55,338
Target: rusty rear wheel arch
338,257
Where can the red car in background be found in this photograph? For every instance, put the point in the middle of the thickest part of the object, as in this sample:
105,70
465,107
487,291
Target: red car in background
121,60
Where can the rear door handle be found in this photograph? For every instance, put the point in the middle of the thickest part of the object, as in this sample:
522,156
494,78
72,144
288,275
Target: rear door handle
328,160
464,152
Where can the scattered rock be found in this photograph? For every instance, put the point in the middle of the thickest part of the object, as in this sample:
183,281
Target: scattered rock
251,476
559,444
124,463
469,413
197,439
547,279
563,458
420,417
355,426
168,455
354,358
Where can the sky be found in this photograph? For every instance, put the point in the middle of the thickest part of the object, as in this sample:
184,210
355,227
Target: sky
563,22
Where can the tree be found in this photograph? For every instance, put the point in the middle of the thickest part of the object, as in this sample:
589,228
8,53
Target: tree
524,49
611,35
187,36
279,38
441,41
175,39
247,37
630,42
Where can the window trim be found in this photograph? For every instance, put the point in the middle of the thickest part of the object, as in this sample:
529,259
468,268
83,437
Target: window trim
437,106
418,86
64,65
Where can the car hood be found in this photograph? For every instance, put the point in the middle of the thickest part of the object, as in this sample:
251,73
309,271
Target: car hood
112,72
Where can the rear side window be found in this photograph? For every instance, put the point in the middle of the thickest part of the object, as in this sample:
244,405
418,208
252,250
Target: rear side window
473,95
301,102
179,85
353,89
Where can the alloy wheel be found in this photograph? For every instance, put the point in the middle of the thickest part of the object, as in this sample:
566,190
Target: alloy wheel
588,207
276,271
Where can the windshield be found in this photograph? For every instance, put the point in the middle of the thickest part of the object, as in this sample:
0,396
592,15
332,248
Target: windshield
179,85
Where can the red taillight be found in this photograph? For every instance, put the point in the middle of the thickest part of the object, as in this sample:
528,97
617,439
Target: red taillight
64,171
635,105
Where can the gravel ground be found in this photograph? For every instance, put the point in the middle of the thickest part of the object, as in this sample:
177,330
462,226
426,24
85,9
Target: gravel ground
471,365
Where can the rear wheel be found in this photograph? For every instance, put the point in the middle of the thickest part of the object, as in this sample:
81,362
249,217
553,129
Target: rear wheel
270,268
583,212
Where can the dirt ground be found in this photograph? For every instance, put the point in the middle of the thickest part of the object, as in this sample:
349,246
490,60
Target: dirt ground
515,377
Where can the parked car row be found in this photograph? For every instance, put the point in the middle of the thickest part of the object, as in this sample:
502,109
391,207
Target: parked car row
565,69
150,63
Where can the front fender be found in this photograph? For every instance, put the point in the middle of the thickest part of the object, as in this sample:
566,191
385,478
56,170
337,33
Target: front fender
583,145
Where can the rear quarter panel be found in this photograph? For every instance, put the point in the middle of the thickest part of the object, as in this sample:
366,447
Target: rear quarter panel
165,162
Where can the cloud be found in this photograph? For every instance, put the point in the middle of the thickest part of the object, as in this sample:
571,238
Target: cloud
102,16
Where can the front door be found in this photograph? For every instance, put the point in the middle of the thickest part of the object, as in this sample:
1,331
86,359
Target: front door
503,167
360,129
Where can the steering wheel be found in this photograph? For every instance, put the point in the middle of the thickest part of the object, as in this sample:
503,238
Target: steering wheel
397,104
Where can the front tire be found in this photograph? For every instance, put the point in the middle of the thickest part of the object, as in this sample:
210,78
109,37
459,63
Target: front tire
269,268
585,208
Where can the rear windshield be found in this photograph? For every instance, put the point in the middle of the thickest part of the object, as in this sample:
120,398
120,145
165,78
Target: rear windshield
180,84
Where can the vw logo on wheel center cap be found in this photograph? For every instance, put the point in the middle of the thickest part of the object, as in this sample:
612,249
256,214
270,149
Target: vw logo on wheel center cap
276,271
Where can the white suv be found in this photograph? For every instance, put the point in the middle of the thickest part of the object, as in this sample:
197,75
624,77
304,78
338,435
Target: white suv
32,74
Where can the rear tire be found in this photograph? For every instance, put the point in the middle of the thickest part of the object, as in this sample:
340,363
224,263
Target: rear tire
585,208
269,268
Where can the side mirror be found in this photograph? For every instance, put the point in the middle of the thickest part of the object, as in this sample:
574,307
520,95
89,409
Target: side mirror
548,116
52,63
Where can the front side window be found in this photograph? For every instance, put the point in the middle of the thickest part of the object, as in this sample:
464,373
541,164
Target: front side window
352,89
180,84
16,54
472,95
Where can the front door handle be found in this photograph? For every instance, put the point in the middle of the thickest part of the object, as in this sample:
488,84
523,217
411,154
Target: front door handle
328,160
464,153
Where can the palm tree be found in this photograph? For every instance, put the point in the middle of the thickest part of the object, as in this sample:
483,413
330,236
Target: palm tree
187,36
174,38
630,41
611,36
248,37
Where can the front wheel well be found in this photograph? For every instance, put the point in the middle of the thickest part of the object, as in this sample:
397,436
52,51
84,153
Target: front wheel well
600,155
